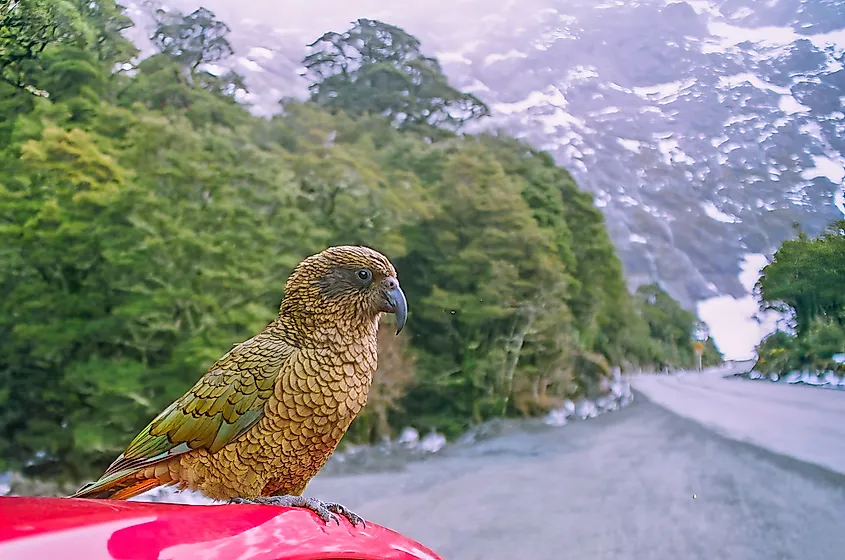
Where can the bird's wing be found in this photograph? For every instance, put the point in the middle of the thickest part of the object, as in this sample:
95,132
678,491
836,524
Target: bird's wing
226,402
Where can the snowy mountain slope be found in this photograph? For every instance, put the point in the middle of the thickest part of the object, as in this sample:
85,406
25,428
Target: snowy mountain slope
704,128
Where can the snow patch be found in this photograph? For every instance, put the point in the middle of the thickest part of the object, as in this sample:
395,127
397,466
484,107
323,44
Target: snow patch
735,323
662,91
839,200
452,57
671,152
773,37
607,111
714,213
702,6
813,129
718,141
824,166
580,74
632,145
511,54
214,69
250,65
260,52
741,13
551,96
550,105
634,238
548,38
602,198
747,77
476,86
790,106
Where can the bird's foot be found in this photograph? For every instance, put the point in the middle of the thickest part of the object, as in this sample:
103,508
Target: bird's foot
325,510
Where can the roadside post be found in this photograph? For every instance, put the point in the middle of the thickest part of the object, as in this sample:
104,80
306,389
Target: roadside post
699,350
700,335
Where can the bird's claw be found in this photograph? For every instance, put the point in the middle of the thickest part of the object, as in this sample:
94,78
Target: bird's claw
324,510
350,515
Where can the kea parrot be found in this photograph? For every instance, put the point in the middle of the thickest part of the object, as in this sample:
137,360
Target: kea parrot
265,418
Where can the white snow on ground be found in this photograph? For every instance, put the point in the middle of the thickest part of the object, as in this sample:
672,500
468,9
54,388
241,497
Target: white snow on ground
551,96
634,238
662,91
747,77
605,111
250,65
580,74
476,86
452,57
628,144
773,37
790,106
496,57
716,214
671,152
813,129
839,200
741,13
718,141
260,52
549,112
834,170
433,442
824,166
733,322
702,6
214,69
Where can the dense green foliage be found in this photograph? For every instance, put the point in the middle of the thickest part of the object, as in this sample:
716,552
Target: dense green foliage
149,222
806,280
670,326
377,68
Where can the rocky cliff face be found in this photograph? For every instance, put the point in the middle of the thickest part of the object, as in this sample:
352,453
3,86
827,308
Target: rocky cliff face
704,128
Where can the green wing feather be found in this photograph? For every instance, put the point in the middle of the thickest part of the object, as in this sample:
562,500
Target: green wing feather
226,402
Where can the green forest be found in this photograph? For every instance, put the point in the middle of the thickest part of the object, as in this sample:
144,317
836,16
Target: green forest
149,222
806,281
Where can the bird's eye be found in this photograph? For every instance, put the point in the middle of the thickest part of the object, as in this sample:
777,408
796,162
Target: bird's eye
364,275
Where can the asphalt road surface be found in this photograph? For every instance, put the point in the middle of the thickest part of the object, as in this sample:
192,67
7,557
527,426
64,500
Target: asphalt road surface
800,421
641,483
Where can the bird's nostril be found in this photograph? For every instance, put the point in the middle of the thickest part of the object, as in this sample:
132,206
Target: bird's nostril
391,283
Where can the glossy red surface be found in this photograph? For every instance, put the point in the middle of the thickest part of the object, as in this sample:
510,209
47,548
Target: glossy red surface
64,528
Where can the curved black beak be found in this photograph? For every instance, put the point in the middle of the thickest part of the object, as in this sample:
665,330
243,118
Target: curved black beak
396,303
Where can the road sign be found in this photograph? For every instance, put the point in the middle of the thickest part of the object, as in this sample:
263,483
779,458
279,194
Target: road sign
699,350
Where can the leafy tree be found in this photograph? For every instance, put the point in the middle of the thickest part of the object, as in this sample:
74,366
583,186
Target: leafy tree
196,39
805,280
28,27
63,247
172,80
107,21
378,68
672,329
806,277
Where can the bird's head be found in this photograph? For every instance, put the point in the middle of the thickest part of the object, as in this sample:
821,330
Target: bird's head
345,283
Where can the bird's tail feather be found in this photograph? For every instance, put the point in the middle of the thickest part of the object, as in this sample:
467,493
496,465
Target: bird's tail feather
117,488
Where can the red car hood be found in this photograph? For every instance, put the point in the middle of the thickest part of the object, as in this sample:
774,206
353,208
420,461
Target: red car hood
53,528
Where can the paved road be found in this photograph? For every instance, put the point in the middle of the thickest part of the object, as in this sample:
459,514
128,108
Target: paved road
800,421
641,483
